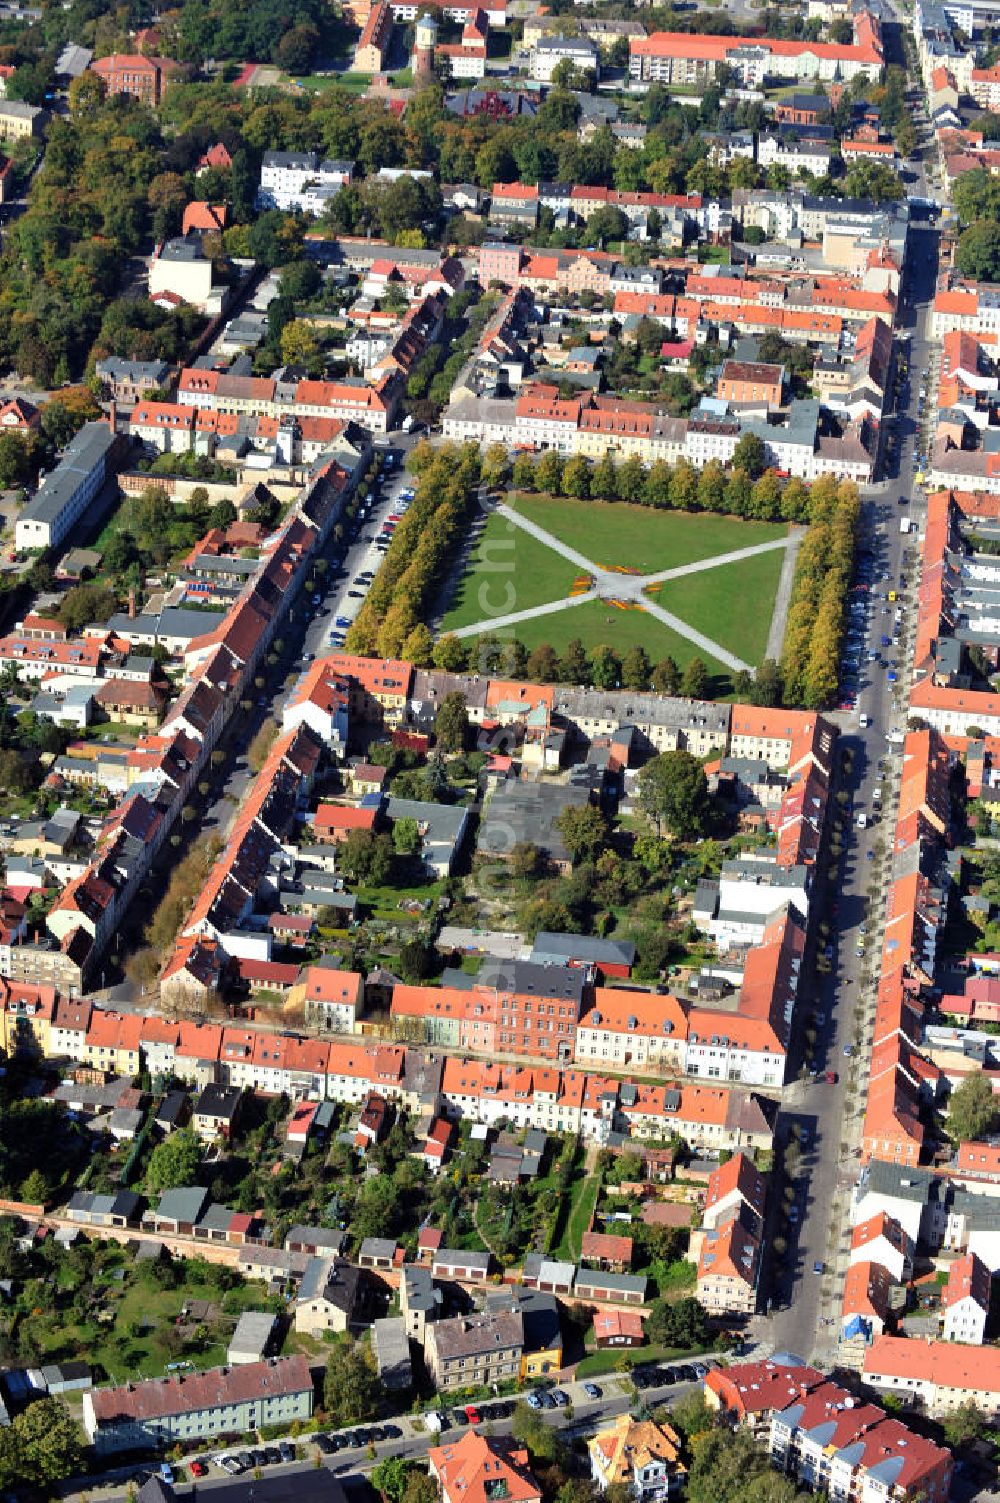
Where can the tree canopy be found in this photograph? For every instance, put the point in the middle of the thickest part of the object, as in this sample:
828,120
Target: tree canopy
673,791
973,1110
350,1387
174,1162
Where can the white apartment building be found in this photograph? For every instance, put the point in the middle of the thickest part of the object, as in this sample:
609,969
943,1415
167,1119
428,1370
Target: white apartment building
300,180
797,156
965,1300
549,52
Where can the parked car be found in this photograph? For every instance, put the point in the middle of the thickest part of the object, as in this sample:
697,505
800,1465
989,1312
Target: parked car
591,1390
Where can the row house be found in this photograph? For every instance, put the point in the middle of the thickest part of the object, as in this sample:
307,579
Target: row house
90,908
350,1071
373,407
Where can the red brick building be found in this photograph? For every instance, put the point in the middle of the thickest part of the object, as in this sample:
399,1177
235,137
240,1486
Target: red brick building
145,78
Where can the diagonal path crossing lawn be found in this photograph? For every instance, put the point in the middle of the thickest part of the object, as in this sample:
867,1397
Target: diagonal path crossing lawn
617,535
507,570
732,604
744,606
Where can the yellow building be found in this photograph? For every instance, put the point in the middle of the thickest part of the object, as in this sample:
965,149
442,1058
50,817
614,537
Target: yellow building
543,1343
27,1017
18,119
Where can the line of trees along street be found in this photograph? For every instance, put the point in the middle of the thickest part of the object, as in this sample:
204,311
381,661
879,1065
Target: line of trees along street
389,622
815,627
746,488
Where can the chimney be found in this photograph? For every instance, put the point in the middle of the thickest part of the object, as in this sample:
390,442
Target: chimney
131,603
113,415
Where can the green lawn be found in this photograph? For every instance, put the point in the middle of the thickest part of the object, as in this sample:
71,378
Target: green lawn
130,1330
608,1360
585,1193
315,83
636,537
507,571
732,604
384,901
596,623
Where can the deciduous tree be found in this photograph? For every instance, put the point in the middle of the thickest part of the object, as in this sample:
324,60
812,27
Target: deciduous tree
973,1110
174,1162
584,830
451,724
350,1387
673,791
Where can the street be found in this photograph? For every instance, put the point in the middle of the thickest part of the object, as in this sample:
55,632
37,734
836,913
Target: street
617,1397
806,1315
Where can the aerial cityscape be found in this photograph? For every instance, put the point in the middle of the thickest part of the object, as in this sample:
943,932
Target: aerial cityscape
500,751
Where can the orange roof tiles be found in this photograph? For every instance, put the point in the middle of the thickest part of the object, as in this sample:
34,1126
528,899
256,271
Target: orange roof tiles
867,1288
944,1364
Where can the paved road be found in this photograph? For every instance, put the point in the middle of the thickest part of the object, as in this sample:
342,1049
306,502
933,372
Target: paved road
806,1316
617,1397
304,634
